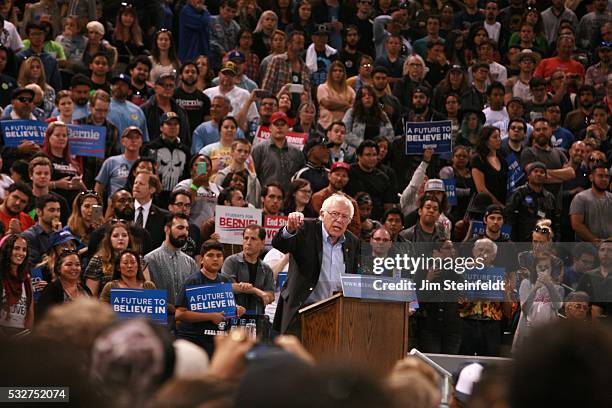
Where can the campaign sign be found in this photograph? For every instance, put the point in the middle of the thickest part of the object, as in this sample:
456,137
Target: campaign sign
429,135
37,276
488,282
272,223
478,229
516,175
132,303
295,139
16,131
86,140
451,192
230,222
214,298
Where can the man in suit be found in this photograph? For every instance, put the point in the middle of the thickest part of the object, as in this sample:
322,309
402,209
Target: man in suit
320,252
146,214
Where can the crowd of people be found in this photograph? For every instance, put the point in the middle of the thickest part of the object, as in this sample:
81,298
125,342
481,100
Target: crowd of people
299,108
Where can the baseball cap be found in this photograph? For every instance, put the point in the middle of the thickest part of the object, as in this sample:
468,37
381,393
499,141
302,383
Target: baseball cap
19,91
165,75
321,29
494,209
168,116
340,165
456,67
130,129
61,237
279,115
535,165
121,77
236,56
313,143
434,185
229,68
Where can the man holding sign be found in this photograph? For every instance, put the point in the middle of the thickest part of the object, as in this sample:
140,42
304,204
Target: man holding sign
200,326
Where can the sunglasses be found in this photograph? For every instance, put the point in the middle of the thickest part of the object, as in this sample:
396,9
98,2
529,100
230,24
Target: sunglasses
114,221
67,251
23,99
88,193
543,230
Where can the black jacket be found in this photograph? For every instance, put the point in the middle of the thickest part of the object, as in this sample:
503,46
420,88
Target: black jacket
153,114
306,249
52,295
525,207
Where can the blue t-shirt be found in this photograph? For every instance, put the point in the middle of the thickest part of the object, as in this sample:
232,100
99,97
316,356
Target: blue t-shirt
114,173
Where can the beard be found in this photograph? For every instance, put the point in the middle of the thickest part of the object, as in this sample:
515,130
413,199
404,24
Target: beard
189,82
178,242
126,214
420,109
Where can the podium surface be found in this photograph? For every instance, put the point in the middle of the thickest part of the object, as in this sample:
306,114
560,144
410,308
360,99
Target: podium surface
366,332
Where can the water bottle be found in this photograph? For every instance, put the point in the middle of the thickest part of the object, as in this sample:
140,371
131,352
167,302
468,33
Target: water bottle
221,329
251,329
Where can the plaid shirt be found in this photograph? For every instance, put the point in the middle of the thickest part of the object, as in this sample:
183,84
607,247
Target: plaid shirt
279,74
251,65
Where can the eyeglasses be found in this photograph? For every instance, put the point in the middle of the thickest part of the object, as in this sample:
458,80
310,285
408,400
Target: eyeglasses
24,100
68,251
517,128
543,230
366,65
89,192
336,215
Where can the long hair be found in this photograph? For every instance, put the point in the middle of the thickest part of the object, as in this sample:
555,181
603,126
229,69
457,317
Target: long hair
482,149
474,29
6,251
259,27
107,253
117,262
446,87
132,174
46,147
25,73
75,221
372,115
290,204
453,55
156,53
127,34
342,86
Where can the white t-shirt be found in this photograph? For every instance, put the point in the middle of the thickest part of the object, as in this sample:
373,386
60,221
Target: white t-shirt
18,311
493,30
494,116
238,97
10,37
272,257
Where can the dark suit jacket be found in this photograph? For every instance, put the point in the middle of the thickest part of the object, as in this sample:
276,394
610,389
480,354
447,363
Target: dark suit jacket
306,249
155,225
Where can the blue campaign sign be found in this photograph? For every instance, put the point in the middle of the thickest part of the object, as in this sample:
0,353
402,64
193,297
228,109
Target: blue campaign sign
478,229
488,284
214,298
16,131
37,276
516,175
87,140
132,303
429,135
451,192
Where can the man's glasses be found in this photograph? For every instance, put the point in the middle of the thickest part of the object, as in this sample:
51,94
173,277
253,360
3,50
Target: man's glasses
125,200
25,100
336,215
517,128
182,205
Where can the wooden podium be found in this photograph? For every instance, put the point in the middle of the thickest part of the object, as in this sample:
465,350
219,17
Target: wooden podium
366,332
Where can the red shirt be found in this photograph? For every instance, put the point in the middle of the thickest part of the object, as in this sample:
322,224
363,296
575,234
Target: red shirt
548,66
25,220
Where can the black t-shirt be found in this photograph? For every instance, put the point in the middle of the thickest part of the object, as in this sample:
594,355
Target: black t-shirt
140,96
201,329
495,181
350,61
376,183
196,105
61,169
252,272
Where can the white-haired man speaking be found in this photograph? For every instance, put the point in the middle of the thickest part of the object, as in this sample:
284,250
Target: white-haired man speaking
320,251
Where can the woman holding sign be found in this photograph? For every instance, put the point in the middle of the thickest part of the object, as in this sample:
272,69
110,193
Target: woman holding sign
66,287
127,275
16,299
66,178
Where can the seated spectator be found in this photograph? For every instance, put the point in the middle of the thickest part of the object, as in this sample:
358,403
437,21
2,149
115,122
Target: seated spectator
66,287
365,119
17,303
31,71
334,96
163,55
127,274
298,198
576,306
101,267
